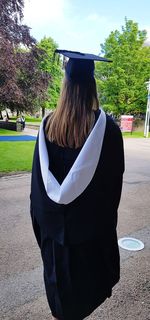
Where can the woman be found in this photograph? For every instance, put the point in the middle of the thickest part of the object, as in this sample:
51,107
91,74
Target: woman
75,192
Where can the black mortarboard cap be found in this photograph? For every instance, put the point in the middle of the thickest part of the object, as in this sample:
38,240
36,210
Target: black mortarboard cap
80,66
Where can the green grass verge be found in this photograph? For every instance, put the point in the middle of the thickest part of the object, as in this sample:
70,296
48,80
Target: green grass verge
4,132
16,156
28,119
36,120
135,134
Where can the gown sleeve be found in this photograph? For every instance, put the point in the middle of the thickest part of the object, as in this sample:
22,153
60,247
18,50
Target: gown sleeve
114,172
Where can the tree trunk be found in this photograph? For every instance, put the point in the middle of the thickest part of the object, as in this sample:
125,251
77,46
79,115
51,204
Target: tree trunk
43,112
1,117
7,115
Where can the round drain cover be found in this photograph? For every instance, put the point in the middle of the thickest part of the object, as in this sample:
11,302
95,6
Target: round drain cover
131,244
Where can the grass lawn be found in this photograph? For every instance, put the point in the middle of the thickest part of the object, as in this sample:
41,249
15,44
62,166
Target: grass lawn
4,132
16,156
34,120
28,120
135,134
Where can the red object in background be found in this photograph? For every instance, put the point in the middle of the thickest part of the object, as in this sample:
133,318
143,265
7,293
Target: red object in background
126,123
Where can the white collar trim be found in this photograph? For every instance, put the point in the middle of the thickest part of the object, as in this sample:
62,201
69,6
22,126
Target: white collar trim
83,169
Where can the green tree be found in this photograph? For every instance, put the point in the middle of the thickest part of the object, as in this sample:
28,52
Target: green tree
53,67
122,83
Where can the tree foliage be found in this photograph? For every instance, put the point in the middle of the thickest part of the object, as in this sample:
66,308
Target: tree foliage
22,84
122,83
11,29
53,67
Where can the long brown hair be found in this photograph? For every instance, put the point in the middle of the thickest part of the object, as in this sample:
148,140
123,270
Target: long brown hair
73,119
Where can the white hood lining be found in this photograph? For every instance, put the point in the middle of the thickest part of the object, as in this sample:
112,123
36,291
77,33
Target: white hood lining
83,169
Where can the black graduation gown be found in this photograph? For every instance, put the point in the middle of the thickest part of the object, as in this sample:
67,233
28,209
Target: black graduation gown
78,240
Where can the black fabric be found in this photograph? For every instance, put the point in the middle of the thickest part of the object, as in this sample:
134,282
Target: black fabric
78,241
79,70
74,284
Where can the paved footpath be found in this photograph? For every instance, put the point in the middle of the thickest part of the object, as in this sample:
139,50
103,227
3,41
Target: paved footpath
29,131
22,295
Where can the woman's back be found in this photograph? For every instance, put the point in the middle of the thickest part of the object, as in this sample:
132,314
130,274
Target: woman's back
75,193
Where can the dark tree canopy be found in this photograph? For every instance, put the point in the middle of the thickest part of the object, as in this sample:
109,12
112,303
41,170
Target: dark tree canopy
11,14
22,83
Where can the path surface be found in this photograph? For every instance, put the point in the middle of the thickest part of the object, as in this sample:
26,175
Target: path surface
29,131
22,295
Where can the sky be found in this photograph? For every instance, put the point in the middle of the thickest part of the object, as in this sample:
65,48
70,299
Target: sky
83,25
